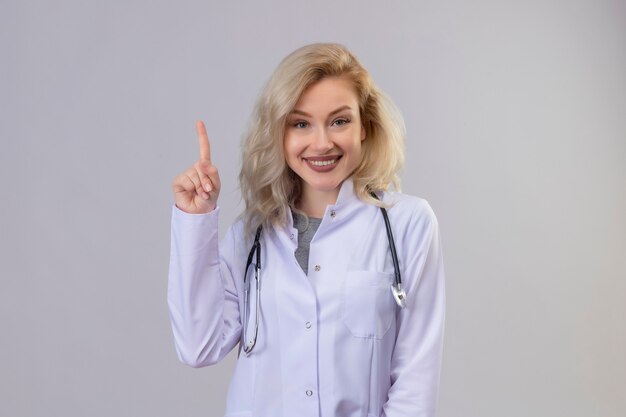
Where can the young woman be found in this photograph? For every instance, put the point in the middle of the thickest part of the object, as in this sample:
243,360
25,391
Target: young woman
337,310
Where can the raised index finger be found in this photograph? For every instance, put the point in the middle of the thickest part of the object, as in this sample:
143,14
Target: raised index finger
203,141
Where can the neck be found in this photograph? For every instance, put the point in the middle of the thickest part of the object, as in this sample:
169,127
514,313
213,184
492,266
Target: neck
313,202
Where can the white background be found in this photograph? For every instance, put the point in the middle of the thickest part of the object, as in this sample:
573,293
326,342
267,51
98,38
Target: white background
516,117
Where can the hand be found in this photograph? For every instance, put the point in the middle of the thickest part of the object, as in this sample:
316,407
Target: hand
196,189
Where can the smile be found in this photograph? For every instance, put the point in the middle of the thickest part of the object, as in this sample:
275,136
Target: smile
322,164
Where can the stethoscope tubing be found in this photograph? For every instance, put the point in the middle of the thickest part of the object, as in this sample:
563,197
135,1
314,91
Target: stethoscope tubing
256,250
396,289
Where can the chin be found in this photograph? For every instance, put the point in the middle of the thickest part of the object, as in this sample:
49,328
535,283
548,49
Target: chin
326,186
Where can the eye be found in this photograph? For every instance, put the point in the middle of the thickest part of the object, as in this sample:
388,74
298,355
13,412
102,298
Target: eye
300,124
341,121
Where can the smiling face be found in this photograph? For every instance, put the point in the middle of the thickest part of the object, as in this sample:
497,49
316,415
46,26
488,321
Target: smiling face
323,138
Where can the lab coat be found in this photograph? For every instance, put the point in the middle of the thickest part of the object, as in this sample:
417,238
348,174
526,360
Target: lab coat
332,343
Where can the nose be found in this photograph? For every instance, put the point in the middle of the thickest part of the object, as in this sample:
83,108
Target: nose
322,142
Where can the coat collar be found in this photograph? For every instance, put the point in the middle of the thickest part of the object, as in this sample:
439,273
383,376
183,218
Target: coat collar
345,198
346,194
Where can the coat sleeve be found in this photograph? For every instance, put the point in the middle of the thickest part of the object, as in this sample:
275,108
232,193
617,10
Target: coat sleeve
202,295
416,359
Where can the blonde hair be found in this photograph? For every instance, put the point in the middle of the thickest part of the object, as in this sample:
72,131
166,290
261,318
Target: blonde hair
268,186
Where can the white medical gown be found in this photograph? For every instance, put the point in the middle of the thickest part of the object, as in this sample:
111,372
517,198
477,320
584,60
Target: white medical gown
330,344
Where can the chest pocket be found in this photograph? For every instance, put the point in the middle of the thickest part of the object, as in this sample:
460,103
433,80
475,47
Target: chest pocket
368,305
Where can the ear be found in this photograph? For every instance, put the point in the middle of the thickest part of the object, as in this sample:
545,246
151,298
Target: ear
362,133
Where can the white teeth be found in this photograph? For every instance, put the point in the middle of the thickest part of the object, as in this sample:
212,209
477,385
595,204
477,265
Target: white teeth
322,163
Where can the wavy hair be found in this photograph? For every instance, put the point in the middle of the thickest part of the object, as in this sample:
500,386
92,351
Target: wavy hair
268,186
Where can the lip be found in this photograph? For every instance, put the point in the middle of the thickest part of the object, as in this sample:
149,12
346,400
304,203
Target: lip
321,159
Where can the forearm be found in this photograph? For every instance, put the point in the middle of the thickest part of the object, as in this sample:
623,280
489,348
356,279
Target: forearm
417,356
203,310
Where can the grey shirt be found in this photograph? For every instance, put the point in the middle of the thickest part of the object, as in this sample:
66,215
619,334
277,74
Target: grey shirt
307,226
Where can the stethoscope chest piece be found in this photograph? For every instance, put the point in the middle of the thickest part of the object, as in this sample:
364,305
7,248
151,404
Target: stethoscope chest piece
399,295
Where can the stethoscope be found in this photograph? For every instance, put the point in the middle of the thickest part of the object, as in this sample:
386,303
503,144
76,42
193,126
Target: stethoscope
396,288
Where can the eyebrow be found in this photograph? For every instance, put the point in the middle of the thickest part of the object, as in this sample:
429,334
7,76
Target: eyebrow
338,110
